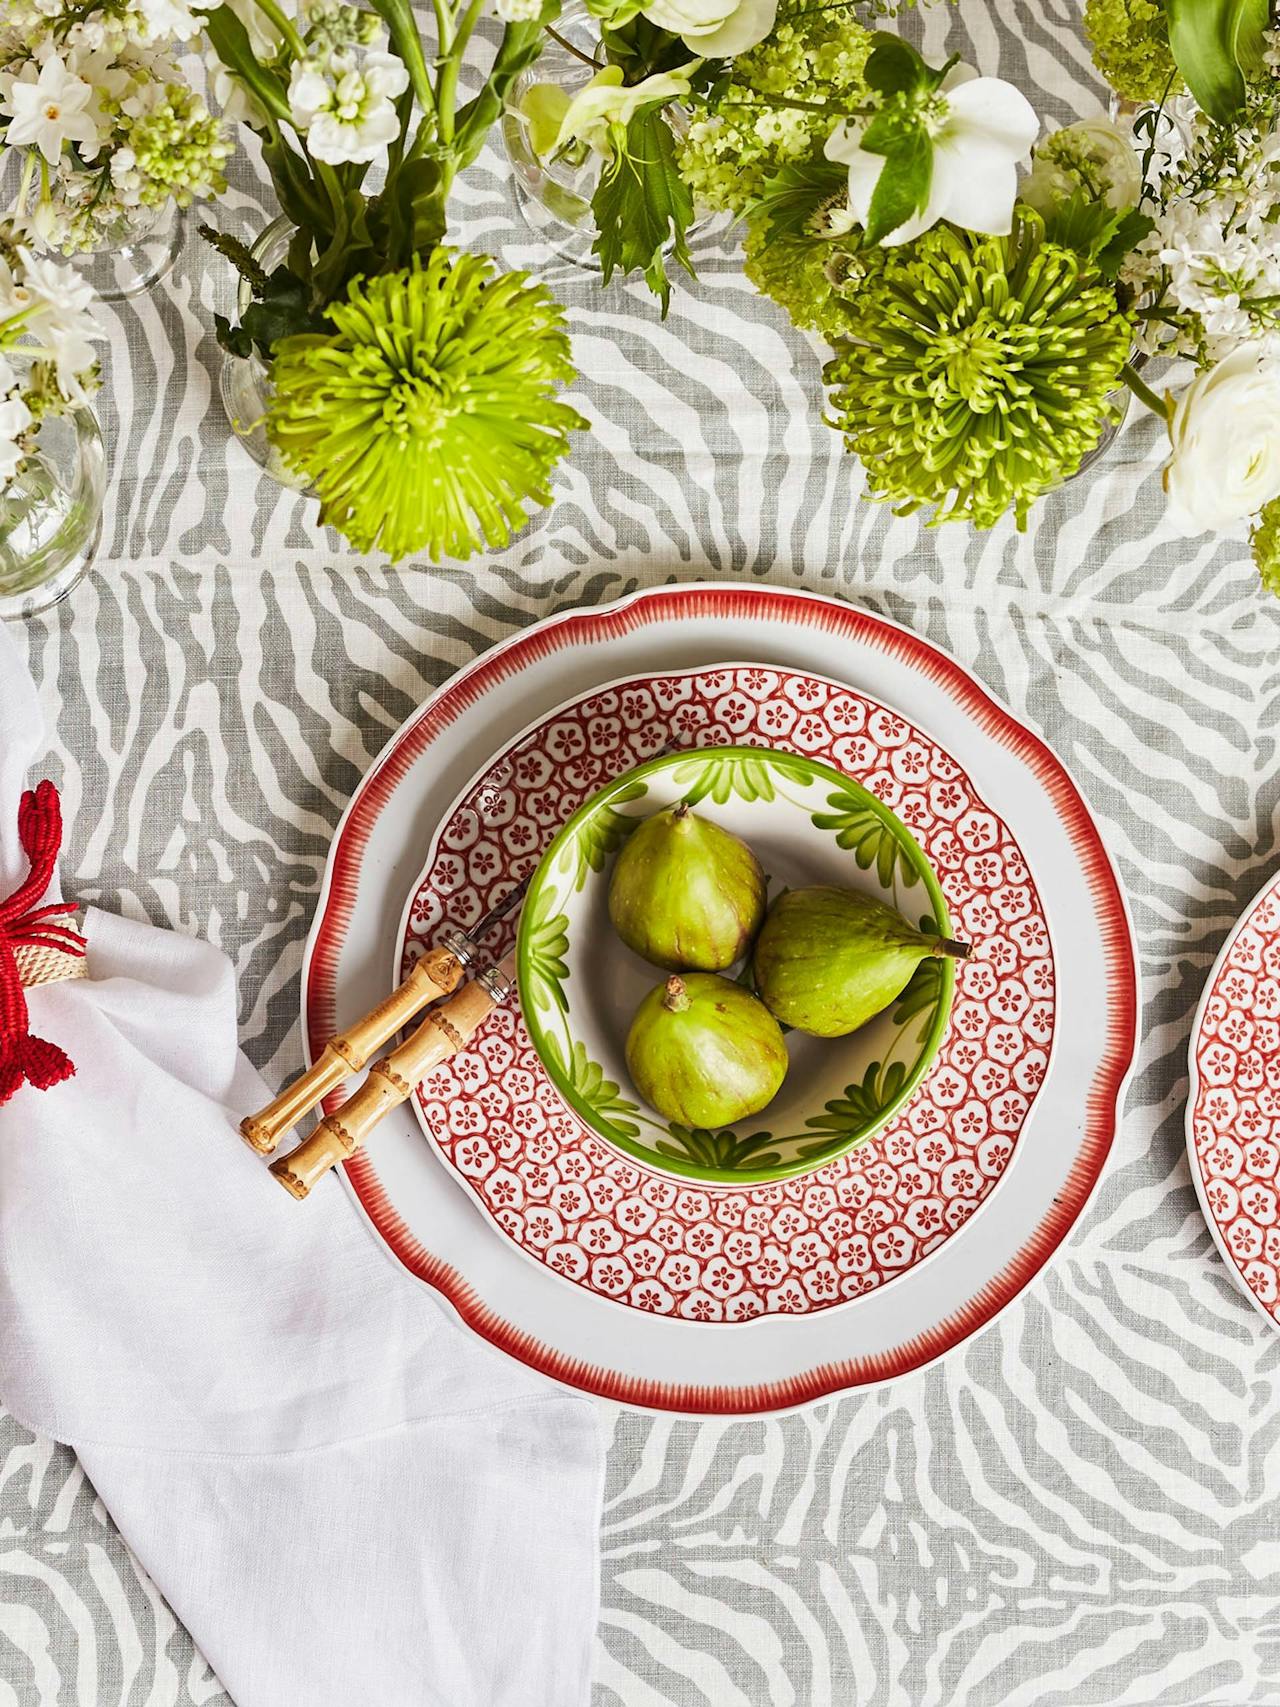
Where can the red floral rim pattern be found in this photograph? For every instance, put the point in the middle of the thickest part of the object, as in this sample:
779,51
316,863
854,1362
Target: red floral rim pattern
629,1233
1235,1117
801,610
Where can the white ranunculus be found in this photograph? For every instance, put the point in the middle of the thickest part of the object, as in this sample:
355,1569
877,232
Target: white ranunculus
715,29
1095,156
981,127
1224,463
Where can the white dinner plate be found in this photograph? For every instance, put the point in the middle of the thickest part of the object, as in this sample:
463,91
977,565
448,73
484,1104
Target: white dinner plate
431,1225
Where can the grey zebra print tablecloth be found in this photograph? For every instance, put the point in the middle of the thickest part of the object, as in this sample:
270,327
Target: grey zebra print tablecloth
1082,1506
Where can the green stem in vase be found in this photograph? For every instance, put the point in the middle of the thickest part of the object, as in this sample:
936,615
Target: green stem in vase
1143,392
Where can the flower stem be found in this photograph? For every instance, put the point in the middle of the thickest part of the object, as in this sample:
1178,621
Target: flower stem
447,87
567,45
285,27
1143,392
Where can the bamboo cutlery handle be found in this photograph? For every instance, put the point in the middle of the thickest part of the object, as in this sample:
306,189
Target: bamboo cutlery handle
391,1081
436,974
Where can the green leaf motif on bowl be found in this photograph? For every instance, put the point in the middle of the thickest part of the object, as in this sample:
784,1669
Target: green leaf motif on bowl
923,993
547,938
872,841
719,779
725,1149
862,1104
603,1096
603,833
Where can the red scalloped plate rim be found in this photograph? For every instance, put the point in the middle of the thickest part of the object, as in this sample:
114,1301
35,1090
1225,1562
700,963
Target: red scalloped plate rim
797,608
1193,1097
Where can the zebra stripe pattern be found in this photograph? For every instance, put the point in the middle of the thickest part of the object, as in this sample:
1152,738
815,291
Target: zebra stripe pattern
1073,1509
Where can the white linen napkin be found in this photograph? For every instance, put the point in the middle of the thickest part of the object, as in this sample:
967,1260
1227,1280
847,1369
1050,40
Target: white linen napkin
344,1496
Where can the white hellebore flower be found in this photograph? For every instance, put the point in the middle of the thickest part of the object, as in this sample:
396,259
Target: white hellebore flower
50,109
555,120
1225,437
346,108
981,127
715,29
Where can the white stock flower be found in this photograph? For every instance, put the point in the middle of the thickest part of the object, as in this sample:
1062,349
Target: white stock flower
981,127
346,108
48,107
1224,462
715,29
1093,155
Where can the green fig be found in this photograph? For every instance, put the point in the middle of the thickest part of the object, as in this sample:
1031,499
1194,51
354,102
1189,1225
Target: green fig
685,894
705,1052
830,959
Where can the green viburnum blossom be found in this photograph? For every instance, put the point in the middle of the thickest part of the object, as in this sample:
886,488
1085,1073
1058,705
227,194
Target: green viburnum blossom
804,277
1130,41
1264,538
813,54
427,418
172,146
975,372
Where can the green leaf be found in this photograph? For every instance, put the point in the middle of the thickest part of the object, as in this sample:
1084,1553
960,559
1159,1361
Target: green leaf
230,41
406,44
902,189
642,203
299,195
1104,235
790,199
1215,43
281,309
895,68
518,49
922,994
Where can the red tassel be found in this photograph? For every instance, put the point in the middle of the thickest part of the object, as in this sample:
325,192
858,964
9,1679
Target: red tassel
23,1058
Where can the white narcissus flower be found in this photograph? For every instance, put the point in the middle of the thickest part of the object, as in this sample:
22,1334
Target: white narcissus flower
15,418
49,109
555,120
346,108
1224,462
981,127
715,29
57,302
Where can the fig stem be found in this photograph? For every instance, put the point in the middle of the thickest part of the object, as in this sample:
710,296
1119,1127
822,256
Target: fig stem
676,999
679,810
955,950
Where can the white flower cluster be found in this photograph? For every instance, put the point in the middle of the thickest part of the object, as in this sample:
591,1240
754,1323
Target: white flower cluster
107,126
1209,271
47,334
342,95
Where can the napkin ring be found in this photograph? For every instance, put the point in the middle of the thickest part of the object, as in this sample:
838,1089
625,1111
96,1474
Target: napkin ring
34,949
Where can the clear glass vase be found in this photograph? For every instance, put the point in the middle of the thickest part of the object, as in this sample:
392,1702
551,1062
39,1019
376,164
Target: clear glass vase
245,381
51,514
554,196
135,256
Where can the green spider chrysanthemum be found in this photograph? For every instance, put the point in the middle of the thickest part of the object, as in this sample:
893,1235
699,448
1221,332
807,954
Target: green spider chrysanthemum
1130,41
427,418
1264,538
976,371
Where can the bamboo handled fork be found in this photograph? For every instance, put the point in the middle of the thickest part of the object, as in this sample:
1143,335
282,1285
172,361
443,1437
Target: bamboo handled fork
391,1081
438,973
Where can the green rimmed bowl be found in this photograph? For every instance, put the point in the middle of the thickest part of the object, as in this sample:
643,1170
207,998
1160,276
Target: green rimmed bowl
580,987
